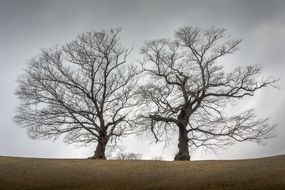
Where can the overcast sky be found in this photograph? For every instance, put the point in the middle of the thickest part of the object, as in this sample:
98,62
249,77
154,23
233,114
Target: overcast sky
26,26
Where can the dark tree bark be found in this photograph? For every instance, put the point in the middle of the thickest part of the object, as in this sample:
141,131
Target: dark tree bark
189,90
100,149
183,150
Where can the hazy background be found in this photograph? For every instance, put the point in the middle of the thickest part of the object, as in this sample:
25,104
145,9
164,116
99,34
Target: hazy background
26,26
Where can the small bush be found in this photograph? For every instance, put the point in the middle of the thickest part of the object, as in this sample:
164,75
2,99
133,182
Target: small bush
128,156
157,158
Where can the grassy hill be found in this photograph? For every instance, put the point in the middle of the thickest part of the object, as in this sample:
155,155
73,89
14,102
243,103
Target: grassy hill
72,174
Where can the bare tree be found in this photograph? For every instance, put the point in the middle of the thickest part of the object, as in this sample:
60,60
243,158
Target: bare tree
83,91
189,91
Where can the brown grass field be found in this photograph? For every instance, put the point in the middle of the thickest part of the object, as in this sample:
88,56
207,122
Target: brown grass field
79,174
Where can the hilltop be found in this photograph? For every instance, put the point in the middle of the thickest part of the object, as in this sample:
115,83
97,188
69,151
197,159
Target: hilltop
79,174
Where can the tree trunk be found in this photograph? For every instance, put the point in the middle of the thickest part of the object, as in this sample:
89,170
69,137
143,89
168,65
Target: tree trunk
183,153
100,149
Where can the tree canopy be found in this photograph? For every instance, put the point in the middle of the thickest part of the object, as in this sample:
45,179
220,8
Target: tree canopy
87,92
82,90
189,91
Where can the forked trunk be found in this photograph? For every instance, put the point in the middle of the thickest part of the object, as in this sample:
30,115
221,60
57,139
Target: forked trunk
183,153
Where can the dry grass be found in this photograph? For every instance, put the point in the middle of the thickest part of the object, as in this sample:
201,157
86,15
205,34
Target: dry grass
67,174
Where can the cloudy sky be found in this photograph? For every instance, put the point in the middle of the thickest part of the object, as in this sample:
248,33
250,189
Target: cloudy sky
26,26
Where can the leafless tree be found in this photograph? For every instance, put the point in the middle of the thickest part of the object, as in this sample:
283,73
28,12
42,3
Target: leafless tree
83,90
189,91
